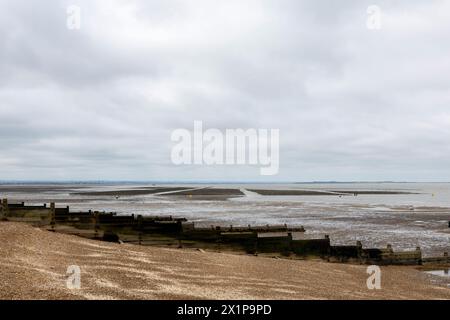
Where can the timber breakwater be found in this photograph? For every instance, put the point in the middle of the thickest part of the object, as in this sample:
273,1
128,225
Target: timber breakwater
276,240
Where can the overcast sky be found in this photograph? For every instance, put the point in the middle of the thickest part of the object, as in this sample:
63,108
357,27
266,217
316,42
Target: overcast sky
101,102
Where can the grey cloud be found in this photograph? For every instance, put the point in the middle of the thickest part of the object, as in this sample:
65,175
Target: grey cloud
101,102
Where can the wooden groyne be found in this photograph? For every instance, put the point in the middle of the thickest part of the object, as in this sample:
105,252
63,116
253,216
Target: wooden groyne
178,232
445,259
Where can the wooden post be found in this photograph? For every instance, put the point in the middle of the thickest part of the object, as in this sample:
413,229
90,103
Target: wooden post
219,243
140,229
389,248
4,209
52,215
96,226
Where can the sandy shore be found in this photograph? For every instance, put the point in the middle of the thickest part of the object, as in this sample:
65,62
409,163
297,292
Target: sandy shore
33,265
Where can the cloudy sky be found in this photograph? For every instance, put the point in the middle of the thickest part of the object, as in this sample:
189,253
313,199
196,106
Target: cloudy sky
101,102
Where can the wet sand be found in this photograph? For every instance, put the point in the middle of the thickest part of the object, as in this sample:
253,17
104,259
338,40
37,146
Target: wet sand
33,265
129,192
271,192
26,188
226,193
211,192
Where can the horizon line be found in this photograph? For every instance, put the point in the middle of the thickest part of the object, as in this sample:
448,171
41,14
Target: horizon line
97,181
